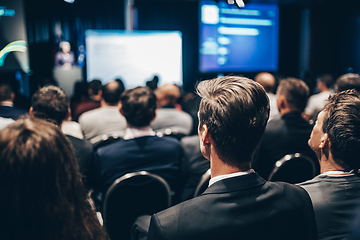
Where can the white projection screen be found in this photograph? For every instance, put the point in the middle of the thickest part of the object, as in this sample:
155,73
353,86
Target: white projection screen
134,56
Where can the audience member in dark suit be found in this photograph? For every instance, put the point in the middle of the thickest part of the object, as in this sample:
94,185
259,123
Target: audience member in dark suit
335,139
140,150
7,110
193,165
53,105
288,134
238,204
347,81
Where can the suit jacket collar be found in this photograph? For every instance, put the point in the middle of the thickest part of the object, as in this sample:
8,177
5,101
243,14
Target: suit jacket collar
239,183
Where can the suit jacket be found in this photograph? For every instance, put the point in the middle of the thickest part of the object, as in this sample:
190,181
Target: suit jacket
159,155
286,135
85,158
243,207
11,112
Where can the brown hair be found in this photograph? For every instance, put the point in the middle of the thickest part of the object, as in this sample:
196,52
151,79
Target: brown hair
295,91
42,194
235,110
138,106
342,124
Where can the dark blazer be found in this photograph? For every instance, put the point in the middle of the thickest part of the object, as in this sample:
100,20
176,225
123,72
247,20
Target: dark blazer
85,157
159,155
286,135
11,112
243,207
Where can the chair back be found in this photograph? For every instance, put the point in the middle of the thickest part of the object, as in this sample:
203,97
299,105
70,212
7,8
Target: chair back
293,168
130,196
203,184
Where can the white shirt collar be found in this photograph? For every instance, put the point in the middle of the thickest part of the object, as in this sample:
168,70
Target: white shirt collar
131,132
221,177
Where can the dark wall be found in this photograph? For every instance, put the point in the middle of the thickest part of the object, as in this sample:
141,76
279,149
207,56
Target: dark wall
335,32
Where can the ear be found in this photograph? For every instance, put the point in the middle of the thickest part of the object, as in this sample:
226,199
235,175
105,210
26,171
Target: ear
120,109
12,96
325,141
204,135
31,112
68,115
281,102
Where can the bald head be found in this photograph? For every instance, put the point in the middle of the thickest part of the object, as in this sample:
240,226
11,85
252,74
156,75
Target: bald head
167,94
267,80
111,92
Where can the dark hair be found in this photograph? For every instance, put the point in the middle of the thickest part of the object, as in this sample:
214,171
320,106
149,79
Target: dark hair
5,92
342,124
51,104
295,91
138,106
347,81
235,110
111,92
327,79
95,85
42,195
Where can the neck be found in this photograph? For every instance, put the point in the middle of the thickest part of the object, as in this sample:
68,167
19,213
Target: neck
328,164
105,104
218,167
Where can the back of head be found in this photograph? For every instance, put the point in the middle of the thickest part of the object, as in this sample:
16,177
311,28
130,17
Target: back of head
296,93
95,85
5,92
267,80
235,110
327,79
167,94
111,92
347,81
138,106
43,197
51,104
342,124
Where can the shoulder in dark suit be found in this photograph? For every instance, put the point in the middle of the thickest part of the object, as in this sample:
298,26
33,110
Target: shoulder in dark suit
159,155
84,155
286,135
243,207
11,112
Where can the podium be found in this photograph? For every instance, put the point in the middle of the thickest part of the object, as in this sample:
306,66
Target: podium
66,78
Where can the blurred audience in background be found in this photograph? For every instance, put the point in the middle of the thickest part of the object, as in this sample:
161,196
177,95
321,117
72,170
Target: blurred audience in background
107,119
317,101
288,134
267,80
168,118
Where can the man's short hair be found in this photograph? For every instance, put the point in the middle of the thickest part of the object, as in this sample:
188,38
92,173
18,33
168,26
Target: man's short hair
327,79
295,91
342,124
5,92
51,104
347,81
235,111
95,85
111,92
138,106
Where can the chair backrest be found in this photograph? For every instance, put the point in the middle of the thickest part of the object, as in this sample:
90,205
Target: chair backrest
130,196
171,133
104,140
293,168
203,184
